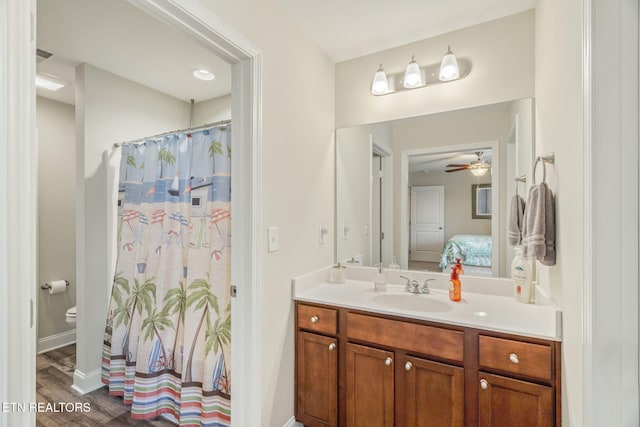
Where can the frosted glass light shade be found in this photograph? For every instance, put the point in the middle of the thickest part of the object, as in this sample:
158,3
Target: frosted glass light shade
412,76
380,84
449,67
479,171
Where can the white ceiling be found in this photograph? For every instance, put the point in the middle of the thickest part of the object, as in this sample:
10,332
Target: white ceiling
437,162
347,29
117,37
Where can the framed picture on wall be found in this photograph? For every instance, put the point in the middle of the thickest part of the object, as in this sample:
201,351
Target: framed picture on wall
481,201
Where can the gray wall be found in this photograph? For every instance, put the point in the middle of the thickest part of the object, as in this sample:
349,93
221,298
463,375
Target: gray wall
56,218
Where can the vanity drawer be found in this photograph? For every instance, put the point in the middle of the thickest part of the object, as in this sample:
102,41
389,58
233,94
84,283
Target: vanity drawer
427,340
532,360
318,319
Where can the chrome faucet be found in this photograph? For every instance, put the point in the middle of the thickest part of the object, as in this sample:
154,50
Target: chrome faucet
413,286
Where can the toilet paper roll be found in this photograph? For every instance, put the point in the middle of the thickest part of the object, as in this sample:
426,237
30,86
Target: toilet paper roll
57,286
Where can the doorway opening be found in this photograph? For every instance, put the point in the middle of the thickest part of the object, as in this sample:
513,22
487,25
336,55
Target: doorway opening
243,61
437,203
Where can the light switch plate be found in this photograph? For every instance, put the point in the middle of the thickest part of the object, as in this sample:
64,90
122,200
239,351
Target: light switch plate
273,239
323,232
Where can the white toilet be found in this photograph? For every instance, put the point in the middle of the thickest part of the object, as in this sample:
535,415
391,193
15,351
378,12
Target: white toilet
71,315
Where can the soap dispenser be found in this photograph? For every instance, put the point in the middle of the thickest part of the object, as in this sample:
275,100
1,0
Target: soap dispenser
459,266
336,274
380,280
455,287
394,264
521,276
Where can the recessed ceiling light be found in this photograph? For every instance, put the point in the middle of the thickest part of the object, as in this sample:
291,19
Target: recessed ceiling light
49,82
203,74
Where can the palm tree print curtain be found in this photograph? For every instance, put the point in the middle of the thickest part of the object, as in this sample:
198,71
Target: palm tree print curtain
168,335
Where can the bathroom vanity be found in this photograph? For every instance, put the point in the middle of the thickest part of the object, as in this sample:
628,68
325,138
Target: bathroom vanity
399,359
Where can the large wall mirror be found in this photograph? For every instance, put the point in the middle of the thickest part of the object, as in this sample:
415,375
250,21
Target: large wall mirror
404,188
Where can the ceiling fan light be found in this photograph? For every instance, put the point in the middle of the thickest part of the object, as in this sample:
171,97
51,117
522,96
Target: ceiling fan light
449,69
412,75
479,171
380,85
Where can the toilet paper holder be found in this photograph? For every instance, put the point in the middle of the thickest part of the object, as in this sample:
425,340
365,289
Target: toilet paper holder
48,286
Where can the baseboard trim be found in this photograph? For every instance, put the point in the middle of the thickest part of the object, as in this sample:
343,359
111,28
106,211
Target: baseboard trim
86,383
53,342
292,423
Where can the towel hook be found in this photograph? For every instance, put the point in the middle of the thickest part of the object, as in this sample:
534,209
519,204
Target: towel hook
518,179
546,158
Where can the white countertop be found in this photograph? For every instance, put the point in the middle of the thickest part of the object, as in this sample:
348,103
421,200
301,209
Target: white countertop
487,303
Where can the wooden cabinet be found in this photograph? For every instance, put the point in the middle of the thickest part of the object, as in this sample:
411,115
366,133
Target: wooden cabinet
510,402
370,387
317,380
357,369
523,393
433,393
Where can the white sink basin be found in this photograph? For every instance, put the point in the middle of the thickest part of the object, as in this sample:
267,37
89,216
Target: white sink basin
414,302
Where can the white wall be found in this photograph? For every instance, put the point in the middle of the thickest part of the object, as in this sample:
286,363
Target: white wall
353,194
296,181
211,110
502,66
559,129
457,200
109,109
56,217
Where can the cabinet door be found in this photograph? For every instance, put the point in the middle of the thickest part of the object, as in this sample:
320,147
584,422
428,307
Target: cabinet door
370,388
433,394
509,402
316,380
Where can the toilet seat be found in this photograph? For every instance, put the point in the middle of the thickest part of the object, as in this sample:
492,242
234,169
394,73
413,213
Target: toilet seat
71,314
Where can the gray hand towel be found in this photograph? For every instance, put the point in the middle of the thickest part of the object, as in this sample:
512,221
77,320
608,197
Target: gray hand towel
539,225
516,213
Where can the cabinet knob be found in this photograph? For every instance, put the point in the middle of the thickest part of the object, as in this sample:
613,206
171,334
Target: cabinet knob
388,361
484,384
408,366
514,358
315,319
332,346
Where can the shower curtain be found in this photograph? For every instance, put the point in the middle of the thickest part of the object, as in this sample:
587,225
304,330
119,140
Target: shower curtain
168,334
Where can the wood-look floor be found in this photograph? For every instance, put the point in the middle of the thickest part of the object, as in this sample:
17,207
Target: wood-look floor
425,266
54,376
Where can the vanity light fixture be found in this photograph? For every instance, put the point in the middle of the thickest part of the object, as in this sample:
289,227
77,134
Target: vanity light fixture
380,84
203,74
449,69
414,76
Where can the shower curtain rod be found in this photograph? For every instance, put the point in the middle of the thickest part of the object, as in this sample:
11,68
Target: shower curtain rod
207,125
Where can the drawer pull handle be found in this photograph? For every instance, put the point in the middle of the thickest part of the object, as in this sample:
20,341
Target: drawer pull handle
514,358
315,319
332,346
484,384
408,366
388,361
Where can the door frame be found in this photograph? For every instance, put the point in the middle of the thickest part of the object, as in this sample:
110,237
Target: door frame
18,204
496,233
386,194
608,316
